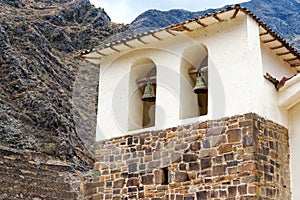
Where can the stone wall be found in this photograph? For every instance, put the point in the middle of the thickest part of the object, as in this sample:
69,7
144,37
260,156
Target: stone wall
241,157
33,176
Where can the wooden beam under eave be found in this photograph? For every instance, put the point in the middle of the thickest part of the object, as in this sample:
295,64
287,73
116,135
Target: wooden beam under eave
113,48
265,33
295,65
168,31
95,61
127,45
290,59
186,28
235,13
200,23
178,28
268,41
218,18
102,54
140,40
86,57
153,35
276,47
283,54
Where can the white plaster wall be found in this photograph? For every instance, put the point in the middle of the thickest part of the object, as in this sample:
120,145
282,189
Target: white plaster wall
294,133
273,65
112,101
235,75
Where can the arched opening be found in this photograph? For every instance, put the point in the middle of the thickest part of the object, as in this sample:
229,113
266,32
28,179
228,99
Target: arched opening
194,64
141,111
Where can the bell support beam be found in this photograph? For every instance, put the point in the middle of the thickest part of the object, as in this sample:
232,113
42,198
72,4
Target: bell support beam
146,80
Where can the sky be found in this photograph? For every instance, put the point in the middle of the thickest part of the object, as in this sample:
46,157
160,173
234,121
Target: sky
125,11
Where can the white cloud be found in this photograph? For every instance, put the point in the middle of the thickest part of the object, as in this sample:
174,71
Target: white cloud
125,11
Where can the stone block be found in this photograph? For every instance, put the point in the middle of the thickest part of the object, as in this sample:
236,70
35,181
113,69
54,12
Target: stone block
190,157
249,197
108,184
215,131
214,194
126,156
162,187
142,167
234,135
205,163
98,197
171,134
176,157
156,155
225,148
132,167
183,145
219,170
189,198
132,189
147,179
217,140
202,195
129,141
97,166
141,154
232,163
253,189
180,177
270,192
148,158
116,191
223,193
248,140
246,123
250,179
159,176
242,189
194,166
141,195
133,182
154,164
247,167
228,156
268,177
192,175
195,146
206,144
232,170
232,191
207,153
118,183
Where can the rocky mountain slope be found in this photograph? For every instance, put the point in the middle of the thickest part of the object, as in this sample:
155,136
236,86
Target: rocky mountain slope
281,16
42,105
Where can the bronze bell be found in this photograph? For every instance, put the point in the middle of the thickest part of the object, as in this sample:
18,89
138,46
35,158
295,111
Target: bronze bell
149,94
200,86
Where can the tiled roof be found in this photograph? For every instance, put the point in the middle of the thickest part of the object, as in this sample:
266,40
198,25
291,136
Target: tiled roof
275,42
